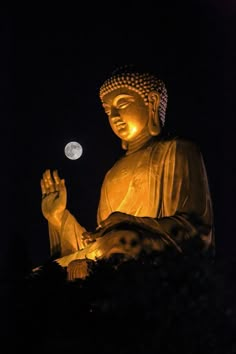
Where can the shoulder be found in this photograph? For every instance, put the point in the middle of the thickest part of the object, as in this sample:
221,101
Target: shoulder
169,140
177,142
176,147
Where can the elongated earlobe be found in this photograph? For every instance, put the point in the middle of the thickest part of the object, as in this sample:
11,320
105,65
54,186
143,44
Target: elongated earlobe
154,127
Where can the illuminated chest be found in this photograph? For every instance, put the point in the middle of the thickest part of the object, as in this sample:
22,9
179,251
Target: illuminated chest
128,179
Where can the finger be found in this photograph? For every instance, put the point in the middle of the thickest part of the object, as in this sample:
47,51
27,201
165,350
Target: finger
62,185
45,184
47,175
43,188
48,186
46,181
50,181
105,229
56,176
98,227
86,234
44,176
57,180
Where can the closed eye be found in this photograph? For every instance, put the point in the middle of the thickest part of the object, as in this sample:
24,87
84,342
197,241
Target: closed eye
123,105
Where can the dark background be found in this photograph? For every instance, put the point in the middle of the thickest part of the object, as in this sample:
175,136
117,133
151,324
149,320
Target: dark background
53,62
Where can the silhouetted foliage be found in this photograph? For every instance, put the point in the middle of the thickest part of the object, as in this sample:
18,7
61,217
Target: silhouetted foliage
156,304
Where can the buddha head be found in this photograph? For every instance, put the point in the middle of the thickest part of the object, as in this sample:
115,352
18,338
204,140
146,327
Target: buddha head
135,103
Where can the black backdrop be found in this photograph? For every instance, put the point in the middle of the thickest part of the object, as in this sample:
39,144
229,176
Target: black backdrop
53,61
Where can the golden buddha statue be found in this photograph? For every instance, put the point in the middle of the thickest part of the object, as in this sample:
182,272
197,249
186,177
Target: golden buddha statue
155,197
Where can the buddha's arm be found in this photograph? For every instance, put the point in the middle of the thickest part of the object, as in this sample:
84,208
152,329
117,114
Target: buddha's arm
68,239
186,200
178,231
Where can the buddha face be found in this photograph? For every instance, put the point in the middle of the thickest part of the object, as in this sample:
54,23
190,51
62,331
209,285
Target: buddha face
128,115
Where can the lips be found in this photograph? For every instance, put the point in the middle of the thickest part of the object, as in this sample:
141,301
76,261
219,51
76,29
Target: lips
120,125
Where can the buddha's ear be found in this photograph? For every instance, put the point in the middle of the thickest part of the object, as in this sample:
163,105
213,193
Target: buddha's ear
154,100
154,125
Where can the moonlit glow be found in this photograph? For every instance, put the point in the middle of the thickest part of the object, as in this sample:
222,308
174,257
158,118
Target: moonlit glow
73,150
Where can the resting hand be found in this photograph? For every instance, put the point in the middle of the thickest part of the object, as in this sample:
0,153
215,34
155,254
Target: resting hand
105,226
111,222
54,197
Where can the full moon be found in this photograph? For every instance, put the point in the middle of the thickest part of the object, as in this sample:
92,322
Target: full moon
73,150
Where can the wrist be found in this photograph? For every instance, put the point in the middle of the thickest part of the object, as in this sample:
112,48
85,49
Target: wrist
56,220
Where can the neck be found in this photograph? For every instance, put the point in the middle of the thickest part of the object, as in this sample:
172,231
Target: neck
138,143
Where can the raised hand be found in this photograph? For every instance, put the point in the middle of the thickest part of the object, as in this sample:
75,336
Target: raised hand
54,197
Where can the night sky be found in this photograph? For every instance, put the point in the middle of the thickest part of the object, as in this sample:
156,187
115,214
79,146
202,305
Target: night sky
52,66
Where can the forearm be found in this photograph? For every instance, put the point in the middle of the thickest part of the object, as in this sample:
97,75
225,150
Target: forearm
67,238
178,231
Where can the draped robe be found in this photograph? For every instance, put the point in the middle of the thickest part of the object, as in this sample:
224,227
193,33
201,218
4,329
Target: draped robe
164,186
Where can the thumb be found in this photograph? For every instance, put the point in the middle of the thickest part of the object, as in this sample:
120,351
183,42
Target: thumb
63,183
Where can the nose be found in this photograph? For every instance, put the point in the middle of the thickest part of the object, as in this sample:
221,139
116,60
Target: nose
114,113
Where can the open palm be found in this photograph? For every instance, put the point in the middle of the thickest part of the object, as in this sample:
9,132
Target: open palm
54,197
